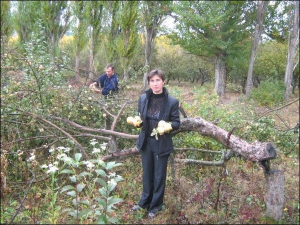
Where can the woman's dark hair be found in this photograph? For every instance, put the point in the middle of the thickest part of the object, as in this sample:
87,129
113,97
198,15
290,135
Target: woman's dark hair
157,72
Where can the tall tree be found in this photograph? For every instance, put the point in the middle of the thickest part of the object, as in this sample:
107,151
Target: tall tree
275,23
114,30
51,16
293,44
55,16
80,31
96,19
6,28
215,31
153,14
126,41
261,9
24,19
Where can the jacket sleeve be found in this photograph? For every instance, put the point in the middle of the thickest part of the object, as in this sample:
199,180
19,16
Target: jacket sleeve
101,81
114,83
98,81
174,115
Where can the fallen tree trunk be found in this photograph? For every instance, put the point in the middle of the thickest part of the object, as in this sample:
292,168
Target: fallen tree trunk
255,152
259,152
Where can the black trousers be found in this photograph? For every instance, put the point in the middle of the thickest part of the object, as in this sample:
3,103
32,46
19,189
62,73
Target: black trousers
154,177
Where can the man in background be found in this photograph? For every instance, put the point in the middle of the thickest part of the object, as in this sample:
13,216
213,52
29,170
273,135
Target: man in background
108,82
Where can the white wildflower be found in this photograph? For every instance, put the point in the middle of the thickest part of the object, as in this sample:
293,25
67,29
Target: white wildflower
103,146
111,175
52,169
67,149
32,157
67,159
112,181
93,142
61,156
90,165
44,166
96,150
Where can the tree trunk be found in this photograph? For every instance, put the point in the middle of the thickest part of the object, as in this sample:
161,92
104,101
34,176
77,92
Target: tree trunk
274,194
262,5
91,64
293,43
77,67
148,46
255,152
126,75
220,76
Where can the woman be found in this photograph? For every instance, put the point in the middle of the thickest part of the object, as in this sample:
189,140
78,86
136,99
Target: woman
153,106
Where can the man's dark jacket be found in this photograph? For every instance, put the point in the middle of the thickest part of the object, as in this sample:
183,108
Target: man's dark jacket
108,84
169,113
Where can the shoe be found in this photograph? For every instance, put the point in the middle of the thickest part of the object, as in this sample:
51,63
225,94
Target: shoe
151,215
136,208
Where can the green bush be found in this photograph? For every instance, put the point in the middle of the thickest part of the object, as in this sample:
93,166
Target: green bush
269,93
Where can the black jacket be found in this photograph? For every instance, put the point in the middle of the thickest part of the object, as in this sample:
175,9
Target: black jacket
169,113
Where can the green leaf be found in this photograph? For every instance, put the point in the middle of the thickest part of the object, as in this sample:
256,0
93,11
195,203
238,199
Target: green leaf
102,202
66,188
86,202
101,172
102,219
84,174
84,212
71,193
73,213
103,191
114,201
73,178
67,171
113,220
78,157
111,186
80,187
111,165
102,182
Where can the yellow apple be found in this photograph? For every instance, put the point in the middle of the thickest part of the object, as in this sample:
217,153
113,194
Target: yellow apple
137,123
160,130
161,123
130,120
167,127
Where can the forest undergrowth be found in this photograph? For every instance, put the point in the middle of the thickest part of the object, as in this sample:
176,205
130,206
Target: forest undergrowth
195,194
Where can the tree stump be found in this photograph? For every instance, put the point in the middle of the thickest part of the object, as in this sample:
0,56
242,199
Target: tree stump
274,194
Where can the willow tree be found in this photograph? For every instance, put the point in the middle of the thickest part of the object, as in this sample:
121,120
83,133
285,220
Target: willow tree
215,31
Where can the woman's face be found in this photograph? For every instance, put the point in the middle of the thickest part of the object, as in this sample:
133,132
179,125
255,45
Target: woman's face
156,84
